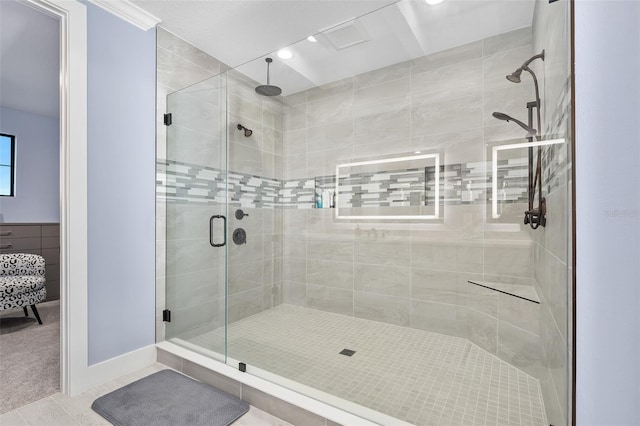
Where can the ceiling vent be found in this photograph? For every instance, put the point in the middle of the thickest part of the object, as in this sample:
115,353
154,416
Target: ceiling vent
346,35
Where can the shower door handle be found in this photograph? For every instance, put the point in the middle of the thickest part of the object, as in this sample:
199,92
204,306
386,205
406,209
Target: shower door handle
224,230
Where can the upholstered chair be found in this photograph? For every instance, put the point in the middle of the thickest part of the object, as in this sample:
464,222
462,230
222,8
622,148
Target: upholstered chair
22,282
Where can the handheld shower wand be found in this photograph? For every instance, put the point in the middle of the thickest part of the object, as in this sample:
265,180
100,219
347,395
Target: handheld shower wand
504,117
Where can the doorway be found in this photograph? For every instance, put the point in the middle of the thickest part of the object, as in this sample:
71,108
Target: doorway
30,199
73,190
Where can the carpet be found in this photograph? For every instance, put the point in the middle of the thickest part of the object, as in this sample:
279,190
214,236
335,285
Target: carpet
168,398
29,355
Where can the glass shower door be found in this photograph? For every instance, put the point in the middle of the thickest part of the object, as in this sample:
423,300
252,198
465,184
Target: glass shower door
196,225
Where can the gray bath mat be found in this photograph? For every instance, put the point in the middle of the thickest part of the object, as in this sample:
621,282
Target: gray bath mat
167,398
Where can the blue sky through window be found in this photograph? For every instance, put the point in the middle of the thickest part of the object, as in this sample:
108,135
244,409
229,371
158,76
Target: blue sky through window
6,165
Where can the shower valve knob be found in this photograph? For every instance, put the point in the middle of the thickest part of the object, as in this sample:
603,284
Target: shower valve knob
240,214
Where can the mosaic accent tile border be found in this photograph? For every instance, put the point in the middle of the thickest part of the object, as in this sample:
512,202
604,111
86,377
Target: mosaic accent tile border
185,183
385,189
466,183
298,194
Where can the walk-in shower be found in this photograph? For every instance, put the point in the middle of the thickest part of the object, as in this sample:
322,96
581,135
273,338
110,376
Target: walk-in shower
384,267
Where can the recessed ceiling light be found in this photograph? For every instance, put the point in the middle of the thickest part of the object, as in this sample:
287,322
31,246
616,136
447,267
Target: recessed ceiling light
433,2
312,39
418,152
285,54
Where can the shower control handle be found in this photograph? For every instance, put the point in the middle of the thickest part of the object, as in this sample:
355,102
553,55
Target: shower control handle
240,236
240,214
224,230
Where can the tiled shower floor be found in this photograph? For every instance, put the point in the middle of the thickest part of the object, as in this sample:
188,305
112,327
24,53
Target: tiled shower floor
420,377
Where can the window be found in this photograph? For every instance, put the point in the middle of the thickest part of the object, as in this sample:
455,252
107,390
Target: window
7,165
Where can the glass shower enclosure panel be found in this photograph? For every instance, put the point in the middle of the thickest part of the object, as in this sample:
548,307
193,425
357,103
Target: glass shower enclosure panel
196,222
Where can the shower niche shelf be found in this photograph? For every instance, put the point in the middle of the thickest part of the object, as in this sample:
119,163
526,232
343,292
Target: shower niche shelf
523,292
324,188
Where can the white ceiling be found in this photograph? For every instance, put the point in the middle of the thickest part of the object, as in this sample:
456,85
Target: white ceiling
238,31
29,64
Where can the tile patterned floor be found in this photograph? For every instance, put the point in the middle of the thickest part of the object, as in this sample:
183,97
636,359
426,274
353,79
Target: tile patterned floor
420,377
59,410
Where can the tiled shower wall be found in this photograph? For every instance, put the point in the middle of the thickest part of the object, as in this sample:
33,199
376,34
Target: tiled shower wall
415,274
552,245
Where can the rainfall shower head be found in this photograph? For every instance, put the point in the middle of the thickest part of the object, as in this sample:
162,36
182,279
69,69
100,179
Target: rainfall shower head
514,77
267,89
247,132
505,117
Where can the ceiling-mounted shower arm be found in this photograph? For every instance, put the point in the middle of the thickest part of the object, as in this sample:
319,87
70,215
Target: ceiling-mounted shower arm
268,61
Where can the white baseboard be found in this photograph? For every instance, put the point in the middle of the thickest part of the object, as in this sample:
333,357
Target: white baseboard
113,368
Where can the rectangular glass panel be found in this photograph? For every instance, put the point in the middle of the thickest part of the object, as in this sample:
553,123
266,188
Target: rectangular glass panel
195,193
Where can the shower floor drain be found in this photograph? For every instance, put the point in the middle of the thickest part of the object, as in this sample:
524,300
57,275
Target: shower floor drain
347,352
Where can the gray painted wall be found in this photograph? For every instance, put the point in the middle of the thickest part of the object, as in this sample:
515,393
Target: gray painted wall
37,167
121,185
607,48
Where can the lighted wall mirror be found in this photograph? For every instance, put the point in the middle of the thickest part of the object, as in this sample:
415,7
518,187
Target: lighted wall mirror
406,187
510,167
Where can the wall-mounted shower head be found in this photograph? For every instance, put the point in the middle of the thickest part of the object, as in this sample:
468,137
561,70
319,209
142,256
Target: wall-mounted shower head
504,117
268,89
514,77
247,132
